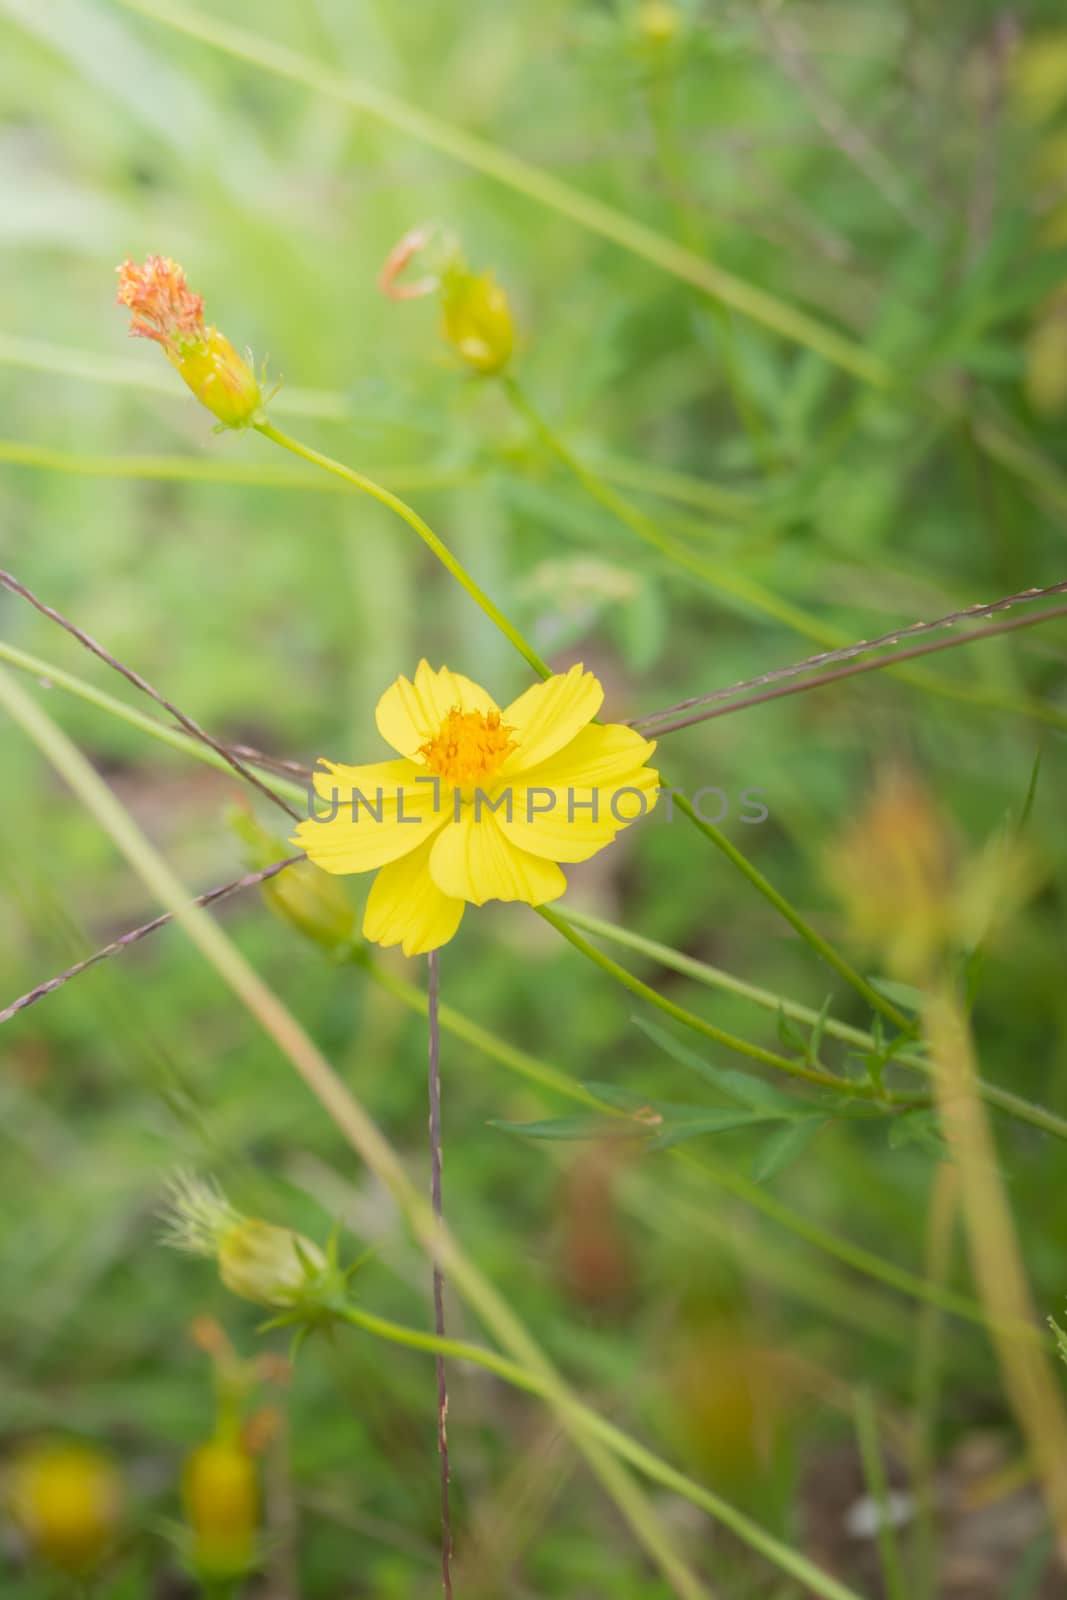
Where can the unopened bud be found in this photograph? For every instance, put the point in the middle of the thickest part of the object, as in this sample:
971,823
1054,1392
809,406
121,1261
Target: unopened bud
313,902
67,1499
476,320
164,308
257,1260
265,1263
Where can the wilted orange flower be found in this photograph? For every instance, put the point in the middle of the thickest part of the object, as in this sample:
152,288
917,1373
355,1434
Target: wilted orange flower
165,309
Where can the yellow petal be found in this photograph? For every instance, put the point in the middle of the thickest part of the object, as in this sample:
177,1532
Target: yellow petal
472,860
394,818
548,716
597,755
409,713
406,907
335,782
565,809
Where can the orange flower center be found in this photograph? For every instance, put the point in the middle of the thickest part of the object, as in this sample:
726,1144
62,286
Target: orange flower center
468,747
162,305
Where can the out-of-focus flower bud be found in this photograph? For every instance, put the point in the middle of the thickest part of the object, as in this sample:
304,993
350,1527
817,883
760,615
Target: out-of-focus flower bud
271,1265
907,891
67,1499
220,1494
164,308
894,871
313,902
265,1263
476,319
658,21
1039,74
1045,371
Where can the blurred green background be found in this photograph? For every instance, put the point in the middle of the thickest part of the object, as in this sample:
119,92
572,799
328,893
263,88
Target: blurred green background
897,170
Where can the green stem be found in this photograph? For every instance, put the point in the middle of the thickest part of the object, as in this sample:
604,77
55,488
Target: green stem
344,1110
689,1019
649,532
627,1448
811,937
1014,1105
929,1362
444,555
191,469
752,593
535,1071
866,1419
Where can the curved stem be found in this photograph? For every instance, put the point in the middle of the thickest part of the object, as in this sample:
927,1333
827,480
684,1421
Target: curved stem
629,1449
821,946
715,978
689,1019
728,581
444,555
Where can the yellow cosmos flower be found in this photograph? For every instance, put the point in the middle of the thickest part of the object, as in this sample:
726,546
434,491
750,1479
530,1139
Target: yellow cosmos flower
483,803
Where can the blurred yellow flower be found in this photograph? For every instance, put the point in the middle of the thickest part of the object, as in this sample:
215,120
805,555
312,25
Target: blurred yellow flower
221,1498
476,318
483,804
67,1498
164,309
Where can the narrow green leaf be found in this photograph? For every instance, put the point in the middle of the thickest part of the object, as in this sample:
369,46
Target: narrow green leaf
740,1086
783,1147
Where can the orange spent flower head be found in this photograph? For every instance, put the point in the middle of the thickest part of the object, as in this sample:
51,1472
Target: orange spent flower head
164,308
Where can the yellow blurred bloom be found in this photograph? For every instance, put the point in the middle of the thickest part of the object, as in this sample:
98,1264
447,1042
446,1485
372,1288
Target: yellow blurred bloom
483,803
658,21
476,319
220,1494
476,316
67,1499
1045,372
1039,74
164,309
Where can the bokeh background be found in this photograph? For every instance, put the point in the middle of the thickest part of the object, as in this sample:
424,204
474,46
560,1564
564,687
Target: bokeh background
897,170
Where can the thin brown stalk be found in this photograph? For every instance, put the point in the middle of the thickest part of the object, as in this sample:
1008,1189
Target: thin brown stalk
8,581
827,658
248,881
434,1028
820,681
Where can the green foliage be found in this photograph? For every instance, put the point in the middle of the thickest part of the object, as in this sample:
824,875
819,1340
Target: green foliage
822,357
